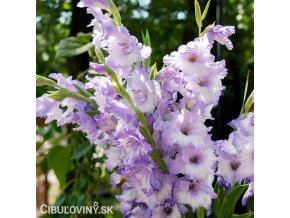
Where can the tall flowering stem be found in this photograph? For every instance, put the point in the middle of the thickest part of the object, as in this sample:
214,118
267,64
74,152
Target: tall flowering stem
140,116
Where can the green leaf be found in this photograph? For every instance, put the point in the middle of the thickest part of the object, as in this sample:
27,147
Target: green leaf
200,212
100,56
153,72
43,81
245,215
93,113
83,91
59,161
147,38
230,200
81,151
84,37
249,102
65,93
217,203
147,42
72,46
205,10
245,94
115,12
198,16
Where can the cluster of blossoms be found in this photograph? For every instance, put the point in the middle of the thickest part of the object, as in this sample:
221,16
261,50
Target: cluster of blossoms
175,105
236,155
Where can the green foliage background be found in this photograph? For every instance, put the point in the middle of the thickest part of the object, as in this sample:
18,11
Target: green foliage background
170,23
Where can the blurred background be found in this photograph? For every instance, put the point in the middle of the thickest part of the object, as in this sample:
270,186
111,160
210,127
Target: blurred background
69,170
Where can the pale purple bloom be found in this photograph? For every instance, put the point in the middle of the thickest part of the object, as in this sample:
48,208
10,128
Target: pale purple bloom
220,34
208,86
227,167
243,139
236,155
127,127
171,80
134,148
115,179
127,199
86,124
106,123
115,157
246,158
120,108
194,161
186,129
123,49
164,116
192,58
104,90
140,174
102,4
66,83
97,68
162,186
145,93
167,210
196,193
48,108
102,24
244,123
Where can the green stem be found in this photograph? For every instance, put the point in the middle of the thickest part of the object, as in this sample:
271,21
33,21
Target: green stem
199,31
140,116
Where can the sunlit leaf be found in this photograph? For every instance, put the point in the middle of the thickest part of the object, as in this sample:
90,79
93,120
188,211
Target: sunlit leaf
249,102
147,42
205,10
198,15
115,12
72,46
153,72
65,93
245,94
43,81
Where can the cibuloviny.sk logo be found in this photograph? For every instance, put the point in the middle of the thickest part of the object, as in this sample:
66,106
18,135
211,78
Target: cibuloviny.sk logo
95,209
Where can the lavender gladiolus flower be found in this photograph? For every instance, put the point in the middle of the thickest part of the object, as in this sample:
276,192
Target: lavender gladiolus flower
192,58
166,211
144,92
196,193
123,49
193,161
220,34
186,129
236,155
47,107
